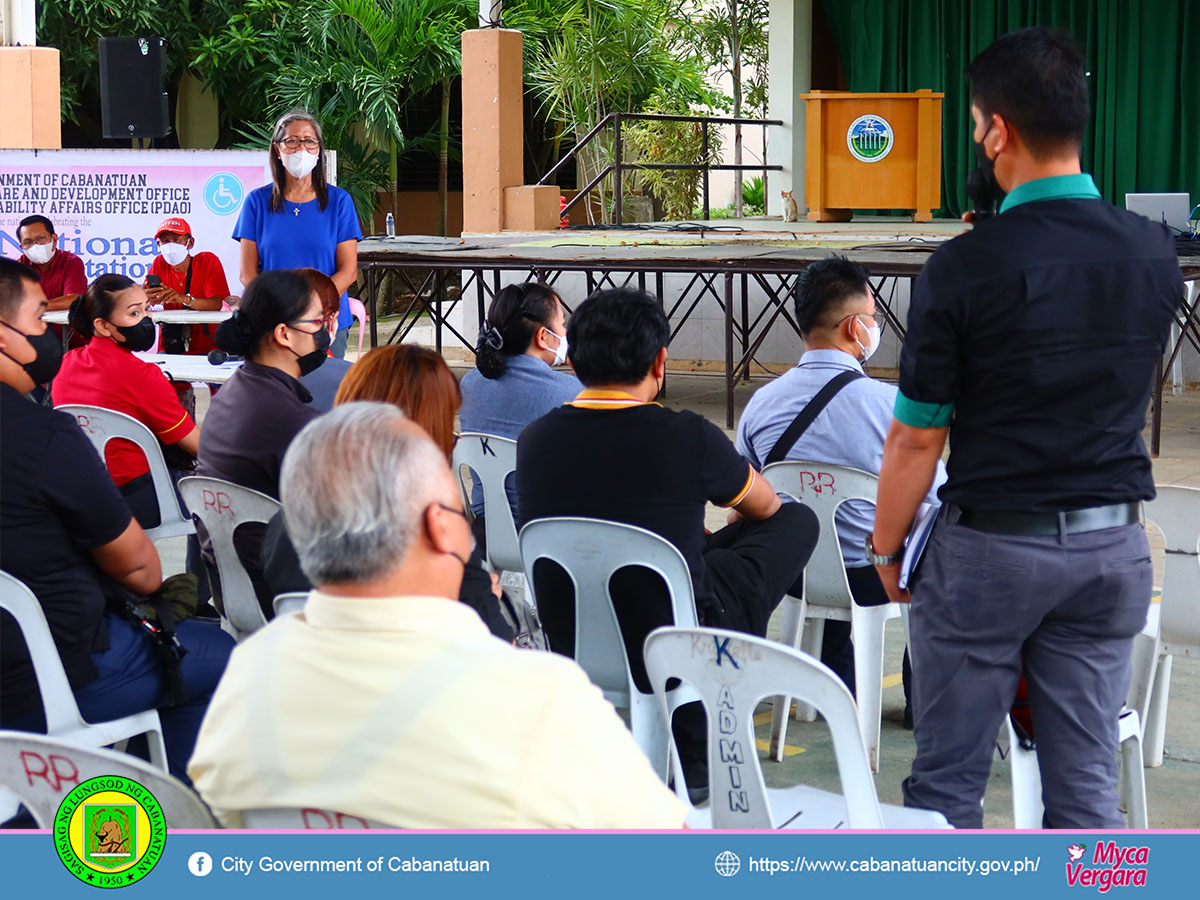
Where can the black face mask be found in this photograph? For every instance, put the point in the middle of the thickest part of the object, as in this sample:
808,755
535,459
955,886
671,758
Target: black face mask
310,362
983,189
48,347
138,337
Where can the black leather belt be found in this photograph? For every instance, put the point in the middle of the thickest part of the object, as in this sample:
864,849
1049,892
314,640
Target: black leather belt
1031,524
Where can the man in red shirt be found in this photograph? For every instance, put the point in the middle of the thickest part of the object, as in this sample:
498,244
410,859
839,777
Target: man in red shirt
188,281
62,272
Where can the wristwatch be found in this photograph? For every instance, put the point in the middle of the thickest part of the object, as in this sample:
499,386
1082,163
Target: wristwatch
876,560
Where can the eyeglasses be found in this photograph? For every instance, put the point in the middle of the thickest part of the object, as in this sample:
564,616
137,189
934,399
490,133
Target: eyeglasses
457,512
466,518
293,143
37,241
323,322
861,315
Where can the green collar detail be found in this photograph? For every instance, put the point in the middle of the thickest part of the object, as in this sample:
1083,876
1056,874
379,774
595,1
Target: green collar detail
1057,187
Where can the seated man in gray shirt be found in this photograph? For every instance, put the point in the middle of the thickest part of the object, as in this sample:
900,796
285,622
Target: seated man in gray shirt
835,310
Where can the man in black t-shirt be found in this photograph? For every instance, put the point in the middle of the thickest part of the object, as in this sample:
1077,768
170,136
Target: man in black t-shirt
68,535
1033,340
615,454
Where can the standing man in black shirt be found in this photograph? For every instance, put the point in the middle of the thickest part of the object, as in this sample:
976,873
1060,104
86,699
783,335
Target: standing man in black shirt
1033,339
613,453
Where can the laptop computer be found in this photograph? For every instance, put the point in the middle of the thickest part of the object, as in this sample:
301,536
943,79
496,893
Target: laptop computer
1172,209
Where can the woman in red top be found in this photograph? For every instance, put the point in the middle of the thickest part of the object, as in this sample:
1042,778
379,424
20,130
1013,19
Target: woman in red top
111,315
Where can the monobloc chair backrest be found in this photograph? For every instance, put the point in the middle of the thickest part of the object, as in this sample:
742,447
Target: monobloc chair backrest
103,425
222,506
62,712
359,311
493,459
592,551
41,771
823,487
1176,512
291,602
733,673
308,818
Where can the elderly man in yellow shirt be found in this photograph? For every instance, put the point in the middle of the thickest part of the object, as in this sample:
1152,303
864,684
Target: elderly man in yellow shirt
388,699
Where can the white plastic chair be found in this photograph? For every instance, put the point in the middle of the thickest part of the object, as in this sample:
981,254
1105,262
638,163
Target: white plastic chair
733,673
359,311
64,722
63,719
222,506
824,487
308,819
103,425
591,551
42,770
1176,512
493,459
1027,777
289,603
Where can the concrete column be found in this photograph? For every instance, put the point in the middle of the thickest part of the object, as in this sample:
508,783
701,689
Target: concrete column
492,124
30,101
18,23
790,57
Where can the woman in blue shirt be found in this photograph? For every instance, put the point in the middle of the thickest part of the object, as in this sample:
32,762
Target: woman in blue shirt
514,381
300,221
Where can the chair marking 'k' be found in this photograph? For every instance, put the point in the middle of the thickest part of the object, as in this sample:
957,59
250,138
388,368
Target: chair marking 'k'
486,447
723,650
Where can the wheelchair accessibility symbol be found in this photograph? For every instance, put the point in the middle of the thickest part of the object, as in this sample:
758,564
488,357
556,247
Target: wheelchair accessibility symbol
223,193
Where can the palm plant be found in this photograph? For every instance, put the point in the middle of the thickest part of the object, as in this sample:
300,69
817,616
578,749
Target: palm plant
588,58
364,58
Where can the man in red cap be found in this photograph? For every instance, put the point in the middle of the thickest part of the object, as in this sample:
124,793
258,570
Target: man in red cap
188,281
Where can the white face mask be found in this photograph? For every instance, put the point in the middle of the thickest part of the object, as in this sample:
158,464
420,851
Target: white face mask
174,254
40,253
868,350
560,352
300,163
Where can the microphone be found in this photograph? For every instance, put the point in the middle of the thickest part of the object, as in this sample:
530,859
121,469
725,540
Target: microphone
216,357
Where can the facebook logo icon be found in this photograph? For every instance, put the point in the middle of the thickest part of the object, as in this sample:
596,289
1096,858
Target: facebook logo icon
200,864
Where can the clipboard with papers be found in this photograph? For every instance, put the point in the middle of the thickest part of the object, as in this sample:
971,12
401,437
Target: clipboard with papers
918,537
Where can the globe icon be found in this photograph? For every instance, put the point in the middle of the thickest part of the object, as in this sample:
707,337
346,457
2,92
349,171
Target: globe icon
727,863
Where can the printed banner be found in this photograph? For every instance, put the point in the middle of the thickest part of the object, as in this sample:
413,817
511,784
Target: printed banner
364,864
107,204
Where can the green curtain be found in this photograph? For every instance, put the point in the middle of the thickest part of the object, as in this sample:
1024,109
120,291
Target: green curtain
1145,93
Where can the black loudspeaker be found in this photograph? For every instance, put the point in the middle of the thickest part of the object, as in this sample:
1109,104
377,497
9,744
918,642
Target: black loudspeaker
133,103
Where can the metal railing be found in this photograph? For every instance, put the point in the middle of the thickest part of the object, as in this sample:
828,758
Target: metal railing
618,165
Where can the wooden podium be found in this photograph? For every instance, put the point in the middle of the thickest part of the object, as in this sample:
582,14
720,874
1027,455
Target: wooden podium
872,151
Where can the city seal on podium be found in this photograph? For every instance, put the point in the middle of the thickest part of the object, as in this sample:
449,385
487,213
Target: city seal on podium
870,138
110,832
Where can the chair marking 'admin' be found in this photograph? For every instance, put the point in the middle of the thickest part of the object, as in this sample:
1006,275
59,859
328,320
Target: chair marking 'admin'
731,750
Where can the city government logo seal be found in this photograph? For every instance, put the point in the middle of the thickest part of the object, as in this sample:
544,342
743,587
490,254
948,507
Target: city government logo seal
110,832
870,138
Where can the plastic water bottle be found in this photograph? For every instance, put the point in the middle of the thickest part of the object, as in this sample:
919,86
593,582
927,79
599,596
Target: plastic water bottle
391,225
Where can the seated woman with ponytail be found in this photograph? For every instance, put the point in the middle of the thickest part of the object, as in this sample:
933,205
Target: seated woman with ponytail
514,381
279,330
111,316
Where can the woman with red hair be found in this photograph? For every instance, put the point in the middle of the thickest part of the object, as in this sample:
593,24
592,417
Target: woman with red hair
419,382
